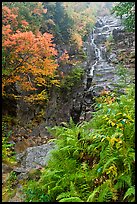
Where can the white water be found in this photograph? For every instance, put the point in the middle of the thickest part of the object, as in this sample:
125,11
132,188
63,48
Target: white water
97,39
97,53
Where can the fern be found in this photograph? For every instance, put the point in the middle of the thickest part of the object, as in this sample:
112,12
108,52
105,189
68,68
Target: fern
63,195
130,193
123,180
109,162
71,199
94,161
105,193
55,191
92,197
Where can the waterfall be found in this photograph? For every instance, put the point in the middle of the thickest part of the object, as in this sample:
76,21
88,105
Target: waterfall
100,72
97,55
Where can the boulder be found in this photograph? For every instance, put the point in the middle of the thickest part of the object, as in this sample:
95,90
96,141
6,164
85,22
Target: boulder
100,38
113,58
99,23
118,34
38,155
34,157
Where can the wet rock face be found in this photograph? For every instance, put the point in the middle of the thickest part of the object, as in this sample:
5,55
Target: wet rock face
89,82
100,38
122,37
118,34
100,73
99,23
26,111
76,110
113,58
62,107
9,106
105,28
101,69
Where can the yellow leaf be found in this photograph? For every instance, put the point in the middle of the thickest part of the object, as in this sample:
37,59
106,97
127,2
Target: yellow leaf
129,117
113,170
112,123
106,118
119,125
102,139
118,114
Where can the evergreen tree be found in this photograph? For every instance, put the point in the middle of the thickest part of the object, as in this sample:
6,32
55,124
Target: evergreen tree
63,23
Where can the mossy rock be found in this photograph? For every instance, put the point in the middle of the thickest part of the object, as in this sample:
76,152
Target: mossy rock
34,174
99,74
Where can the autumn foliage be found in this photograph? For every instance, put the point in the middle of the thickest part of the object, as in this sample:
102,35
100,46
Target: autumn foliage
28,59
77,40
29,54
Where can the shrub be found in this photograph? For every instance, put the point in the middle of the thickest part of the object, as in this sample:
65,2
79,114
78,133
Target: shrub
72,79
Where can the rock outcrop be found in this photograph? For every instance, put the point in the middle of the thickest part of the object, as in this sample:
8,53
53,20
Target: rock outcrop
34,157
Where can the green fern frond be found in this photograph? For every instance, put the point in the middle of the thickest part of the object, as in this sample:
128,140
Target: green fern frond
63,195
92,196
72,187
109,162
71,123
105,195
122,180
55,191
130,192
105,192
71,199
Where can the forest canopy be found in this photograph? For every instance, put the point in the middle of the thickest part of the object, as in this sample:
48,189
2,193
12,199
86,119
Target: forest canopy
31,34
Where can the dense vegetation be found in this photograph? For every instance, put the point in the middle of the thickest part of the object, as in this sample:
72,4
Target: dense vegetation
32,33
93,161
38,40
7,153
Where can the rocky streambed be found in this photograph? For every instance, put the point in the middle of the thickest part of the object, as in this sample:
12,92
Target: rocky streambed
33,146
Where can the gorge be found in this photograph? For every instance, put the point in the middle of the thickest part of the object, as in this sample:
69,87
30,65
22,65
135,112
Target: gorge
32,143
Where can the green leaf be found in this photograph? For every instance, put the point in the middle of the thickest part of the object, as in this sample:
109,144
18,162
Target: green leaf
71,199
129,192
109,162
92,196
63,195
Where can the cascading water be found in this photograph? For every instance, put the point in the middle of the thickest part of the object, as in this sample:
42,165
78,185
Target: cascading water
97,55
100,72
98,58
99,65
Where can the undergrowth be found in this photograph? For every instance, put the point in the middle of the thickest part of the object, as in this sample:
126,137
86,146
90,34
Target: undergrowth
72,79
95,160
7,151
